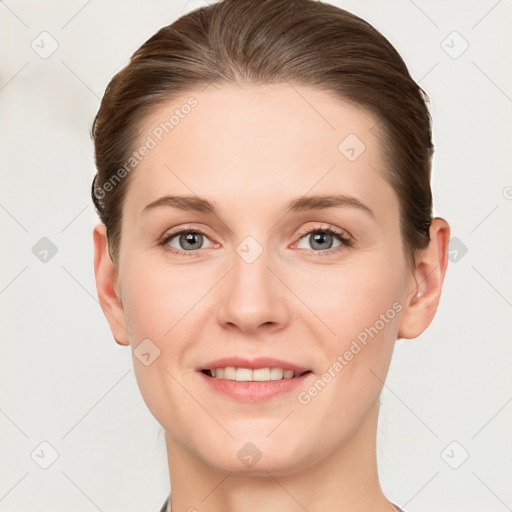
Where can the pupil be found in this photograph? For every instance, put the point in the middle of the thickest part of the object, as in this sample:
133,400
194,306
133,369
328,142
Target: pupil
319,238
190,238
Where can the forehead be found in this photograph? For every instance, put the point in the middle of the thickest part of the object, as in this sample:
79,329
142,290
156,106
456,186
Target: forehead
245,144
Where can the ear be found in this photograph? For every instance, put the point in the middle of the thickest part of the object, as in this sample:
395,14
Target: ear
108,287
423,298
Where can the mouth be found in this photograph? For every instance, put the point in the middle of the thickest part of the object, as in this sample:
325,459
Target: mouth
254,384
252,369
251,379
242,374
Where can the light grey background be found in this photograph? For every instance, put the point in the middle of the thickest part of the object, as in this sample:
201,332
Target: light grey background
65,382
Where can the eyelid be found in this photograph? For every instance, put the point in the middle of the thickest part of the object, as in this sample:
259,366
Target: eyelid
324,227
181,229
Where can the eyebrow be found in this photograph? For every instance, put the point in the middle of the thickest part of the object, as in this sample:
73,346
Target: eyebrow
305,203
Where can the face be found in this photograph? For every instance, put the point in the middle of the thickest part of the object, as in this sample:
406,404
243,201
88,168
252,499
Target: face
316,284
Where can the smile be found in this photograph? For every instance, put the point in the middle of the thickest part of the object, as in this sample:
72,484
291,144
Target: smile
252,375
242,384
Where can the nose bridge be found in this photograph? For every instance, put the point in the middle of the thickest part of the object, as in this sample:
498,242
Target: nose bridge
253,296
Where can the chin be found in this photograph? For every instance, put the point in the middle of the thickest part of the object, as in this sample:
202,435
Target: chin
257,457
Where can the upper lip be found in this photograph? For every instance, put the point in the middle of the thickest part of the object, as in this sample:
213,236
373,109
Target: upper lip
258,362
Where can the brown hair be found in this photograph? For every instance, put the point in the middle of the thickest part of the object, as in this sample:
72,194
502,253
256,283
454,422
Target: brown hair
304,42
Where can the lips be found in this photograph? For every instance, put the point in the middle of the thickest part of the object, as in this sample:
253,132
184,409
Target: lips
255,391
253,364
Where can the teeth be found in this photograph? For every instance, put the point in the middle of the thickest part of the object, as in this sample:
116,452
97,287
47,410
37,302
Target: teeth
248,375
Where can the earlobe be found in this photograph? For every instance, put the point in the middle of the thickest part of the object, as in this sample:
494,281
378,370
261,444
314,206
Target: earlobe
422,300
107,286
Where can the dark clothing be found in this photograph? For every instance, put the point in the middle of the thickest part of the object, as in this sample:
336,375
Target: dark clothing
164,508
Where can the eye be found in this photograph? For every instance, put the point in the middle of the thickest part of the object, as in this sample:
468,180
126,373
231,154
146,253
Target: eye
186,242
322,240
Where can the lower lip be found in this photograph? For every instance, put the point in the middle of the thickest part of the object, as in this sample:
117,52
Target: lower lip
254,391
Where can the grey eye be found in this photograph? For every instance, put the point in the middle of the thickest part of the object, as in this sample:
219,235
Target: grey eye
187,240
320,240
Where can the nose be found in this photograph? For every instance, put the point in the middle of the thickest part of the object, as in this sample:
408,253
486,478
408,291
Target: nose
253,297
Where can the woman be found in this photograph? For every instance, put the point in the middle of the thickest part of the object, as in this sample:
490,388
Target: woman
236,143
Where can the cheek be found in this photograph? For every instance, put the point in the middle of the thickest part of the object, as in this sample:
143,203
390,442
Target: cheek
346,299
162,303
361,306
158,298
159,305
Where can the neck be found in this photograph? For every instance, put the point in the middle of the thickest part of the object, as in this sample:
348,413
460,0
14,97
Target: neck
344,481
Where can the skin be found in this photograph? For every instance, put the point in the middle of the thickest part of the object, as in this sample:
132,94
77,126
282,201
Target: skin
251,150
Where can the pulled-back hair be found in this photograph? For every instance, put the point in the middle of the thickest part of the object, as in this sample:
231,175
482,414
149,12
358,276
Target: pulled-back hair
303,42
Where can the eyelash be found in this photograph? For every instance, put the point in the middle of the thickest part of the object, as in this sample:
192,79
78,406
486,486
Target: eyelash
344,239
